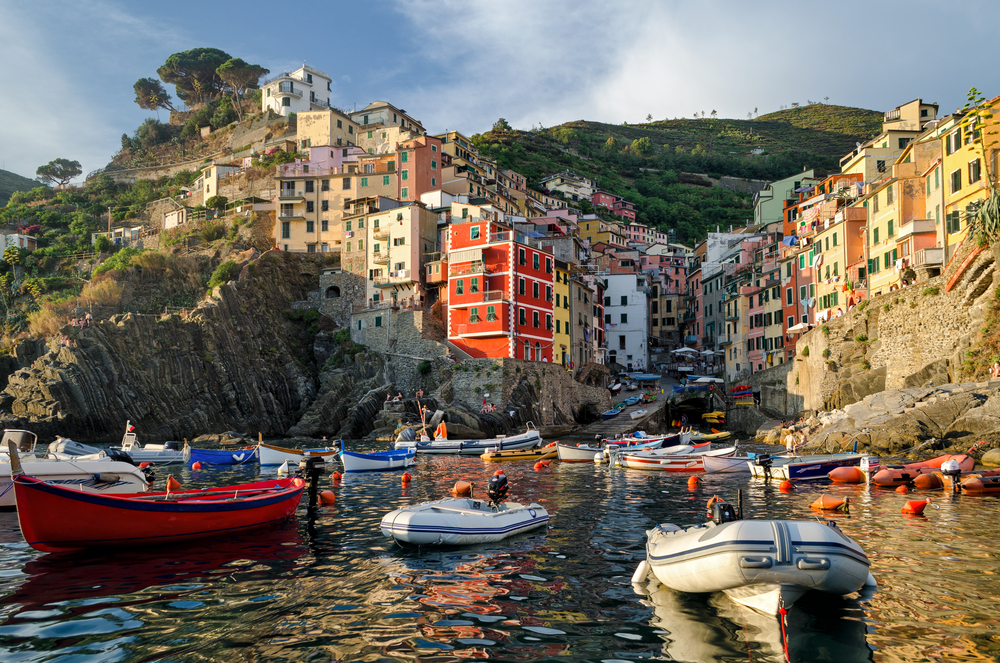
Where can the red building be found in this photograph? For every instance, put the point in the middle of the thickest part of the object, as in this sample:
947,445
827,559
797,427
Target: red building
618,206
500,292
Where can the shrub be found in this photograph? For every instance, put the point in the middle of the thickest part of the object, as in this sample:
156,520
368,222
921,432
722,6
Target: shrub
861,338
863,305
46,322
105,292
826,353
887,308
865,364
424,367
102,244
212,230
310,315
933,290
121,260
224,273
342,336
805,351
825,330
217,202
831,364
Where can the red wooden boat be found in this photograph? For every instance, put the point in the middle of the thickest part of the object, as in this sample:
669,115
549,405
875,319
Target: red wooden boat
53,518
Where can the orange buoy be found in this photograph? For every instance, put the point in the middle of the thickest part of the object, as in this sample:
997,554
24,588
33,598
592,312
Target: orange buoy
693,482
714,499
915,507
902,489
146,464
929,481
846,475
830,503
463,489
786,486
406,477
327,497
551,444
173,484
335,477
196,465
542,464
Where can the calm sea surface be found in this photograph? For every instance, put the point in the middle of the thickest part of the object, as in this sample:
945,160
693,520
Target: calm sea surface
333,589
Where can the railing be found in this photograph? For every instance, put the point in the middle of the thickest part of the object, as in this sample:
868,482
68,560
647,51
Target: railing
494,295
469,268
496,238
380,233
289,193
380,257
288,89
928,257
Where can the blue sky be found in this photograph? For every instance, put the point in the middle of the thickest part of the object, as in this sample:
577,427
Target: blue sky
68,67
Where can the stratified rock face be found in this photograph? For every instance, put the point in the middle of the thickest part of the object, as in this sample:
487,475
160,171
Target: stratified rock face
236,363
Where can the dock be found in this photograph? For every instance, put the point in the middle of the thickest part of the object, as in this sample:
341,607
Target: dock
624,423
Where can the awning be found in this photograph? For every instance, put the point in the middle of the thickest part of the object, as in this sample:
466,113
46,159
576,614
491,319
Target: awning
795,329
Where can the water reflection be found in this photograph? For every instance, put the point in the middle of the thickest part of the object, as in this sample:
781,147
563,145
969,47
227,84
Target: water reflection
341,591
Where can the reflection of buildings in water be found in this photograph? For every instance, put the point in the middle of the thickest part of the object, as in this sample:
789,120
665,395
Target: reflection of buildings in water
711,627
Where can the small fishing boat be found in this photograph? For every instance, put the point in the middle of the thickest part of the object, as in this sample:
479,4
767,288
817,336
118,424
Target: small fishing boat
613,412
892,476
632,385
160,454
710,437
640,437
615,388
393,459
762,564
539,453
463,521
802,468
580,453
55,518
272,455
727,464
661,460
638,414
441,445
240,456
632,400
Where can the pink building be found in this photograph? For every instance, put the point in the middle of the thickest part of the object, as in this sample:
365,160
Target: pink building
618,206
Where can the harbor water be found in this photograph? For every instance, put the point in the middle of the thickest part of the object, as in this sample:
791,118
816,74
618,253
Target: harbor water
332,588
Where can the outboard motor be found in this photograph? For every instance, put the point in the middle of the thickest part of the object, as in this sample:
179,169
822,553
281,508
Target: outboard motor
951,469
723,512
497,488
312,467
764,461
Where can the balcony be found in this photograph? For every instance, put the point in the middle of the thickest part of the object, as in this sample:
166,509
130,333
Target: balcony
380,233
380,258
928,258
288,89
290,194
290,215
401,277
914,227
476,298
464,269
499,325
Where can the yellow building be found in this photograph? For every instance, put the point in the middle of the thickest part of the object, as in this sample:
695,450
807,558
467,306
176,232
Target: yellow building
325,128
563,345
596,230
310,204
873,159
969,157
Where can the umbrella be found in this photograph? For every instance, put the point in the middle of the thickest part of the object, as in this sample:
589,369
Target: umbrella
682,350
795,329
707,352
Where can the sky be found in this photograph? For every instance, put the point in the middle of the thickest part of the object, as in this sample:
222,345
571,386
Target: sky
67,68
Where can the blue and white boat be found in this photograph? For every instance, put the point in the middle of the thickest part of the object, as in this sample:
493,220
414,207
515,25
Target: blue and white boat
802,468
240,456
375,461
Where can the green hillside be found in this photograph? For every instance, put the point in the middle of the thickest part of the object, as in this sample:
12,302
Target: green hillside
643,163
11,182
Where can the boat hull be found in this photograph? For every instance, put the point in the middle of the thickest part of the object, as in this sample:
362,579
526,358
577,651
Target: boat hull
461,521
580,454
272,455
379,461
105,476
806,468
757,562
726,465
55,519
156,456
224,456
656,460
539,453
526,440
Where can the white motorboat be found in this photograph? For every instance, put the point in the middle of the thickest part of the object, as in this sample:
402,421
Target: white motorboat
529,439
762,564
168,452
462,521
580,453
638,414
98,474
726,464
272,455
660,460
394,459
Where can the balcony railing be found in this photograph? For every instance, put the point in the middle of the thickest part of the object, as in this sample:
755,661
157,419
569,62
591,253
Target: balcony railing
380,257
928,257
288,89
469,268
289,193
380,233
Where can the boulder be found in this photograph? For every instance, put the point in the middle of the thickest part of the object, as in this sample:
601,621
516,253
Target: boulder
935,372
991,458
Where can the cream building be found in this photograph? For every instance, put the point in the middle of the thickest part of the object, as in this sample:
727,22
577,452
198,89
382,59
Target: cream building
304,89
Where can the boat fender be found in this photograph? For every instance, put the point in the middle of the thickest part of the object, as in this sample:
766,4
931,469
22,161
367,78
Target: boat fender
830,503
870,581
641,571
196,465
336,477
463,489
328,497
598,458
846,475
143,466
406,478
551,444
107,477
786,487
693,483
929,481
542,464
902,489
915,507
283,469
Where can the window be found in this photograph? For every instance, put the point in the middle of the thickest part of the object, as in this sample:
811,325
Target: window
607,318
548,265
548,293
347,183
789,297
350,129
889,232
310,186
404,157
324,225
324,205
621,342
802,261
880,165
364,181
474,314
286,101
548,321
348,246
347,225
607,301
534,319
974,171
624,300
520,257
520,286
956,181
522,317
434,164
953,221
405,192
558,323
491,314
875,236
928,179
474,232
474,285
937,177
406,175
802,293
310,226
361,245
340,125
835,239
385,180
286,230
889,195
624,318
534,261
310,206
398,241
433,181
460,287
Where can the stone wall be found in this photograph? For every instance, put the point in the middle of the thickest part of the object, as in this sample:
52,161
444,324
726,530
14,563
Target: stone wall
906,338
340,294
404,337
771,383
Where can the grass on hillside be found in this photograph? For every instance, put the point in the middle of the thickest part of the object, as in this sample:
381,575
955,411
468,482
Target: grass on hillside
11,182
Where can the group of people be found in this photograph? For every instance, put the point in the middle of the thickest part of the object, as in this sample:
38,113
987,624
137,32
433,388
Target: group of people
487,408
66,342
389,398
82,322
